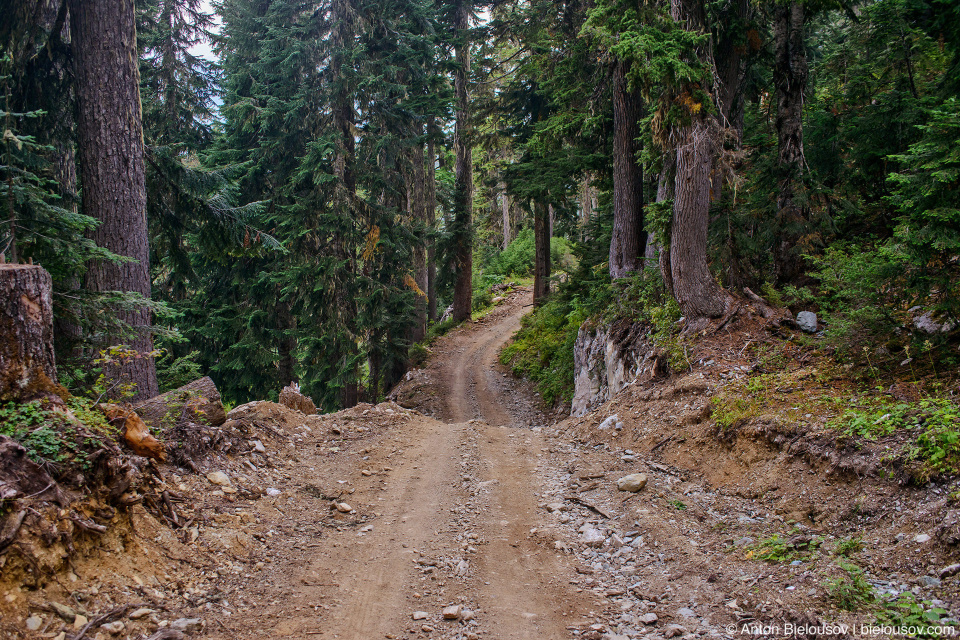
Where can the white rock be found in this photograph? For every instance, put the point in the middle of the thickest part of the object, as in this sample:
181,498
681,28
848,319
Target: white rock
219,478
420,615
273,492
343,507
921,538
258,446
34,623
609,422
592,537
648,618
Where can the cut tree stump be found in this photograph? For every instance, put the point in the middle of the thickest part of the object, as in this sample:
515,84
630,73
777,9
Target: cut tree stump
198,401
27,366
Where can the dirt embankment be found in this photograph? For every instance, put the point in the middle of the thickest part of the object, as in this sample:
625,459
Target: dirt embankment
468,513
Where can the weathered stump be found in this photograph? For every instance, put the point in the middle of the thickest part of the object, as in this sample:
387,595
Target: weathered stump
27,365
198,401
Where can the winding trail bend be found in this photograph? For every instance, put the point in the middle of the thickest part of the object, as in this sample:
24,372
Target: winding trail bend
446,514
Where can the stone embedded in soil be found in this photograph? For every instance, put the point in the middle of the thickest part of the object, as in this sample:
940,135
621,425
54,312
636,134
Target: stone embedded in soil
113,628
673,631
453,612
66,613
79,621
633,482
949,571
592,537
34,623
921,538
807,321
648,618
187,625
219,478
420,615
142,612
686,612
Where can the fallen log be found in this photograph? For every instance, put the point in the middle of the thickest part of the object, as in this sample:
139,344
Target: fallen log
198,401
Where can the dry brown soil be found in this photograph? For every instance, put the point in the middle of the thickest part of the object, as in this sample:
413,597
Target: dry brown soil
461,492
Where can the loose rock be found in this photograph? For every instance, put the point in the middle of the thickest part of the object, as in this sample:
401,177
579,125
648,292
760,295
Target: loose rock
807,321
453,612
34,623
633,482
187,625
113,628
219,478
420,615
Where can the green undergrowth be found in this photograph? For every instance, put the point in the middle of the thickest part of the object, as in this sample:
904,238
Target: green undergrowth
62,442
543,349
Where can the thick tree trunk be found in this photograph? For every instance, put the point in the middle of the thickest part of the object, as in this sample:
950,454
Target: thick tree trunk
505,210
694,287
344,17
730,56
110,144
666,185
790,80
418,210
463,188
541,261
431,220
27,366
627,241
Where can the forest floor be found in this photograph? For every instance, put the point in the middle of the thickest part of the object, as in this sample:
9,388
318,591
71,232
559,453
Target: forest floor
460,510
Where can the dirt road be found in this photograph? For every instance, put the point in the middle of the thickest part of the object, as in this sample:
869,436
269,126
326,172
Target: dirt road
444,513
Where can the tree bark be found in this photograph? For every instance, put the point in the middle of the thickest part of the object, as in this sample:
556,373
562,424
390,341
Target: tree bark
463,188
790,81
110,145
27,365
693,285
627,241
431,219
344,17
505,210
541,262
418,210
666,186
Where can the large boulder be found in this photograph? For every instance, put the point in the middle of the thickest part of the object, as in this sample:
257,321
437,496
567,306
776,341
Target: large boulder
198,401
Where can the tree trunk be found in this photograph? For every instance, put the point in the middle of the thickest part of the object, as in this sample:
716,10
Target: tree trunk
666,186
505,210
541,262
463,188
199,401
731,55
694,287
431,220
790,81
418,209
627,241
110,144
344,17
27,365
